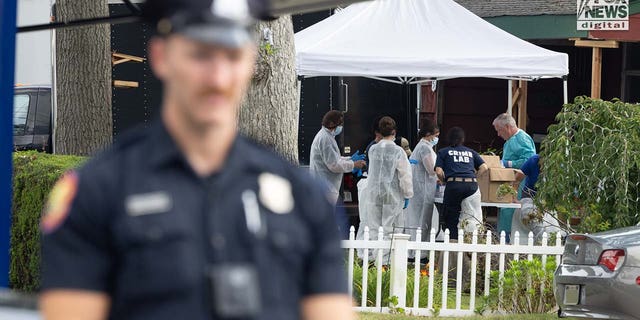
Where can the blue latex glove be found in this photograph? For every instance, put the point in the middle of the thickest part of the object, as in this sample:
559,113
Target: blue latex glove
357,156
357,172
406,203
413,161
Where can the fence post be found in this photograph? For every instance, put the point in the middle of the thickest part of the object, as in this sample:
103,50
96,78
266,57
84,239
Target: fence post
352,236
398,285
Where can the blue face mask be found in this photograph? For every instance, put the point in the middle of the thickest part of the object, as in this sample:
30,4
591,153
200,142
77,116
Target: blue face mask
338,131
435,141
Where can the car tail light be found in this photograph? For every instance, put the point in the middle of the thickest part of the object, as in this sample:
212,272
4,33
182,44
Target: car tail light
578,237
612,259
638,280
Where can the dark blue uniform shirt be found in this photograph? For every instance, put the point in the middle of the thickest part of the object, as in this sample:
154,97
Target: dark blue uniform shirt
145,229
458,161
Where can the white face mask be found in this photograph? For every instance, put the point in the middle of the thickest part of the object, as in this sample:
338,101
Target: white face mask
434,141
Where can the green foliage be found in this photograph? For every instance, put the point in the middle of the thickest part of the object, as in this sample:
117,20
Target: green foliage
268,49
527,287
371,284
491,152
393,306
34,174
423,289
506,189
383,316
591,164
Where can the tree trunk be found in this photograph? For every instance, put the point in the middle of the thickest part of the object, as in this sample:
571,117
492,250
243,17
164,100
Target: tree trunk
83,80
270,111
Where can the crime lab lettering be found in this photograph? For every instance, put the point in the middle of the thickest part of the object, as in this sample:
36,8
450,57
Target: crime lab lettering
461,156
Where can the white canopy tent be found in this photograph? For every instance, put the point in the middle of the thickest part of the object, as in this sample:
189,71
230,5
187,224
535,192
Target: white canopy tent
415,41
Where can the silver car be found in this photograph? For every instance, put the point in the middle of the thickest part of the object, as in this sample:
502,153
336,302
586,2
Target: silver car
599,276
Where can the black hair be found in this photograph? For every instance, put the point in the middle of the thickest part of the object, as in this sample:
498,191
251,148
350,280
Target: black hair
428,128
455,136
387,126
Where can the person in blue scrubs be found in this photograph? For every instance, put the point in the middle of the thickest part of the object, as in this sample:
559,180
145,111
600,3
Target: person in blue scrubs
518,147
529,172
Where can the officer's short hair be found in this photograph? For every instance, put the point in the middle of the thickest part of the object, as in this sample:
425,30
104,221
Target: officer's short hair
332,119
504,120
455,136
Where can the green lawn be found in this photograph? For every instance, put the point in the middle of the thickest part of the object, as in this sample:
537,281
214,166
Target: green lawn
376,316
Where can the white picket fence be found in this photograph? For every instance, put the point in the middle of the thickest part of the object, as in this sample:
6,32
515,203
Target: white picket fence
400,246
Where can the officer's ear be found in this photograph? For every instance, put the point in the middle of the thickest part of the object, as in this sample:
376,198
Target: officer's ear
158,56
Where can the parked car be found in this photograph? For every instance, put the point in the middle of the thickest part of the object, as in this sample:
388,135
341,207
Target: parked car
32,118
599,276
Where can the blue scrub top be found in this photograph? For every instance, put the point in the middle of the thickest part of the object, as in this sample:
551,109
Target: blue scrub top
518,149
531,170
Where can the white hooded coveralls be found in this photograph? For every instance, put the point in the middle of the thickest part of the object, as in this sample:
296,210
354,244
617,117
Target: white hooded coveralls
420,210
327,163
388,184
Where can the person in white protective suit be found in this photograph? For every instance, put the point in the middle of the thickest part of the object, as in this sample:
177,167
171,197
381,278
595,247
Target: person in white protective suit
423,160
326,162
389,184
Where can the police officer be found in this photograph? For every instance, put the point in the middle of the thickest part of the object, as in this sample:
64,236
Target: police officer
457,165
187,219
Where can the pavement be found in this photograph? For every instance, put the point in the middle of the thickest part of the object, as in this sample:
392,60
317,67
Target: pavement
9,313
17,306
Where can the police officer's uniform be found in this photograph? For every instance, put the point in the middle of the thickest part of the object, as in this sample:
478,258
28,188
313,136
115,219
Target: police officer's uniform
459,164
145,229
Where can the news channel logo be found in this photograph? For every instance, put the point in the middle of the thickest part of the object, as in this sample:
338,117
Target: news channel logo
603,14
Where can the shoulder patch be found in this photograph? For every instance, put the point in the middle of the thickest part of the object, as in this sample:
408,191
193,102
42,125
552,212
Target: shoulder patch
59,202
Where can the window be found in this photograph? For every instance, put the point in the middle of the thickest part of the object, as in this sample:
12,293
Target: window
20,111
633,89
43,113
633,51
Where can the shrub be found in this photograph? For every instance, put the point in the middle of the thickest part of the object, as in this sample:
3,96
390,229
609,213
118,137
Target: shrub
527,287
34,174
591,164
386,300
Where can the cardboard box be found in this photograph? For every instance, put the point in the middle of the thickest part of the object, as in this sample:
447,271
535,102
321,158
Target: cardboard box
491,181
492,161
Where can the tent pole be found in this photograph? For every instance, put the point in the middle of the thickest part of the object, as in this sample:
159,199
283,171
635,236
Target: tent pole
299,93
565,90
510,97
418,106
384,79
